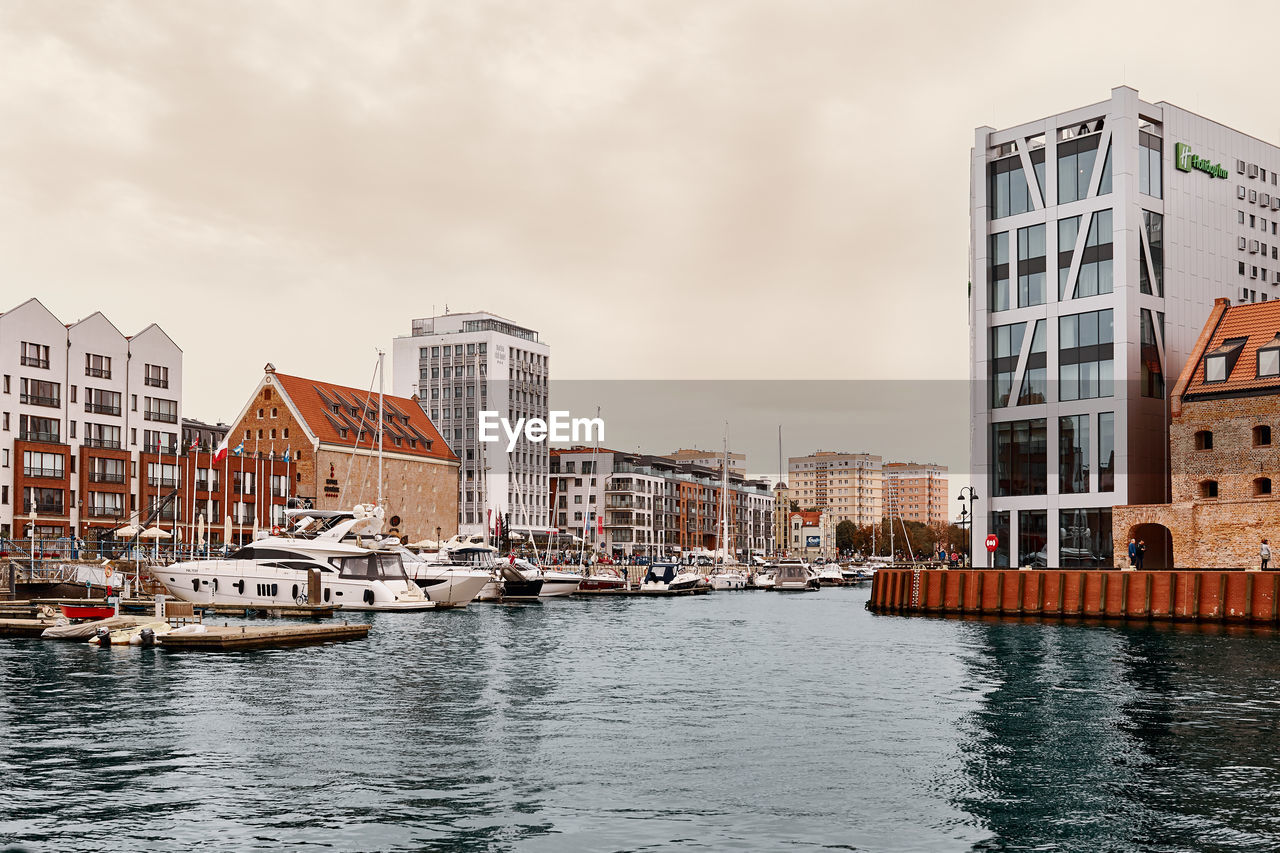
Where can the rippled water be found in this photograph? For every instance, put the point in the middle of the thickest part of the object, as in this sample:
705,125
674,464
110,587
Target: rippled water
752,721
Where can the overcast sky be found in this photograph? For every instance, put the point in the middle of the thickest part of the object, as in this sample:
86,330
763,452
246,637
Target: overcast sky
736,189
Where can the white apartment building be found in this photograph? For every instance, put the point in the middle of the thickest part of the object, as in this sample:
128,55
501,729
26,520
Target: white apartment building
81,405
710,459
846,486
459,365
1149,213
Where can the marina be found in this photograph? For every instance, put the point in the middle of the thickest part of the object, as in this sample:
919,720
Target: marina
565,726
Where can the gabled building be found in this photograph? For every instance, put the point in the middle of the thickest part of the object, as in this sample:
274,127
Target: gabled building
1224,451
330,433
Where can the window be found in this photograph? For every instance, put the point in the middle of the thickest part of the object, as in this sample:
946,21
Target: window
1204,440
35,355
1269,358
45,465
1152,376
1073,455
1262,487
1075,167
1153,224
1084,538
1219,363
1208,489
1085,365
1068,231
165,411
1006,347
1262,436
37,393
98,366
156,376
31,428
1034,377
1031,266
1106,451
1019,456
1150,148
1010,191
1033,537
1095,263
97,401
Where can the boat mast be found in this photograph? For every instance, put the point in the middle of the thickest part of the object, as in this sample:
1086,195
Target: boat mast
381,357
724,498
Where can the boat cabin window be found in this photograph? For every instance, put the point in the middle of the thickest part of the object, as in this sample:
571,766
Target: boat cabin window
254,552
371,567
299,565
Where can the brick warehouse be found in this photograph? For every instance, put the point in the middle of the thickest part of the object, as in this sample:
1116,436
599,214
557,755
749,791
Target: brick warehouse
328,431
1224,456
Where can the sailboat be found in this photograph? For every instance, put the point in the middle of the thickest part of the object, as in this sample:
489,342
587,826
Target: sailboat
725,577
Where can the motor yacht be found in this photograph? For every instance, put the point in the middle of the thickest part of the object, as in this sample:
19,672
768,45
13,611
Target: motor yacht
670,577
793,575
726,579
830,574
555,583
276,570
602,578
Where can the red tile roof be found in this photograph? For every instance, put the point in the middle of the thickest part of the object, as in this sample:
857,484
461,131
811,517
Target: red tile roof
808,516
403,418
1256,324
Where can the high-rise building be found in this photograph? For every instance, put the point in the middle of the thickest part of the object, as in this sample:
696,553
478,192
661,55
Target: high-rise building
459,365
1149,213
711,459
916,492
847,486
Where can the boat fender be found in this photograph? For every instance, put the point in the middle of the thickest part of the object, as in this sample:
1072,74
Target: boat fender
214,584
239,585
368,596
195,584
104,636
147,637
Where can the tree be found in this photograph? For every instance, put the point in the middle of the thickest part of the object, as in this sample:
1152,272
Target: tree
845,533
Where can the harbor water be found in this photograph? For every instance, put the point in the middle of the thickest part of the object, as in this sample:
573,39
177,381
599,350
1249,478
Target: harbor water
746,721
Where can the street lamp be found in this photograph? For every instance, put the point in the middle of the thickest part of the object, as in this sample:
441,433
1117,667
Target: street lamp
968,493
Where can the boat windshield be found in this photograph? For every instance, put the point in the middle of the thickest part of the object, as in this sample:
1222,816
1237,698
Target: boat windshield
374,567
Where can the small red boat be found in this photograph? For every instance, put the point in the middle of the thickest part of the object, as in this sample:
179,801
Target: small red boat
87,611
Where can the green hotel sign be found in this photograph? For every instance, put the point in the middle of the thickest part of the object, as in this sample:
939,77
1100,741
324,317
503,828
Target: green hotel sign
1186,161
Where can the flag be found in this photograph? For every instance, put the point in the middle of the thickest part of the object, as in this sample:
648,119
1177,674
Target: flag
239,449
286,454
221,452
195,444
600,525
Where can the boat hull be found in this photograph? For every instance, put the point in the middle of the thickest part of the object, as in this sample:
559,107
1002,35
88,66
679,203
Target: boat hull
244,583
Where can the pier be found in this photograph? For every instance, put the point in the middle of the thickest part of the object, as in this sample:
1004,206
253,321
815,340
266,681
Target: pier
1172,596
221,637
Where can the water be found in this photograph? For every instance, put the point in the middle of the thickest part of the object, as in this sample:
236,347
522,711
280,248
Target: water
748,721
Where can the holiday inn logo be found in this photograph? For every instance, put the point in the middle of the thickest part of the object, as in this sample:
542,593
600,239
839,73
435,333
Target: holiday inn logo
1186,162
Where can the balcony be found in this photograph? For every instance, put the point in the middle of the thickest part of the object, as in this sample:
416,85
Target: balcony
33,361
155,382
48,473
106,477
42,507
162,417
163,482
204,486
98,372
105,511
102,409
161,449
45,437
105,443
39,400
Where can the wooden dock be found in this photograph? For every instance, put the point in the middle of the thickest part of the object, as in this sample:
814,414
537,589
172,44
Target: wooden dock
283,611
1173,596
218,637
25,627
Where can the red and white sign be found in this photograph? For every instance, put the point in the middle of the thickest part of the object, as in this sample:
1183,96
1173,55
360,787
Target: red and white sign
993,542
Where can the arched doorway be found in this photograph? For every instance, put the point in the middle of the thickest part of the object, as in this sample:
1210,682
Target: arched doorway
1159,542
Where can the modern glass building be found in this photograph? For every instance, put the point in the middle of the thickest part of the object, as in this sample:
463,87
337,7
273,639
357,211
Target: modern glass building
1100,238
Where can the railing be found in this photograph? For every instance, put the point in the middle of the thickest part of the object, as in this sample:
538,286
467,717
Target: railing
105,443
204,486
101,409
105,511
50,473
160,449
163,482
42,507
32,361
99,372
44,437
39,400
105,477
162,417
155,382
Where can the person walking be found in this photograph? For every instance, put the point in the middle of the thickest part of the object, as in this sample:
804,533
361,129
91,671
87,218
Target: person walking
1133,553
1265,553
1142,552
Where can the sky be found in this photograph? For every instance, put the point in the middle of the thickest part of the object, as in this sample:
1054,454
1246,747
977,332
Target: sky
726,189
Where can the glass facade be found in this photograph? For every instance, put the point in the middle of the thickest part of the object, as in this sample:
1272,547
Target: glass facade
1149,156
1106,451
1152,377
1034,377
1010,193
1019,456
999,257
1033,538
1006,346
999,525
1068,232
1095,264
1151,277
1075,167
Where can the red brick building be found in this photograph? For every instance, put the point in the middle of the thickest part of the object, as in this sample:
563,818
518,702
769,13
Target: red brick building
1224,450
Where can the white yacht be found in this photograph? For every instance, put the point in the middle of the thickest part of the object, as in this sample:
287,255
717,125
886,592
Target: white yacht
830,574
764,578
793,575
670,577
555,583
446,582
728,579
276,570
